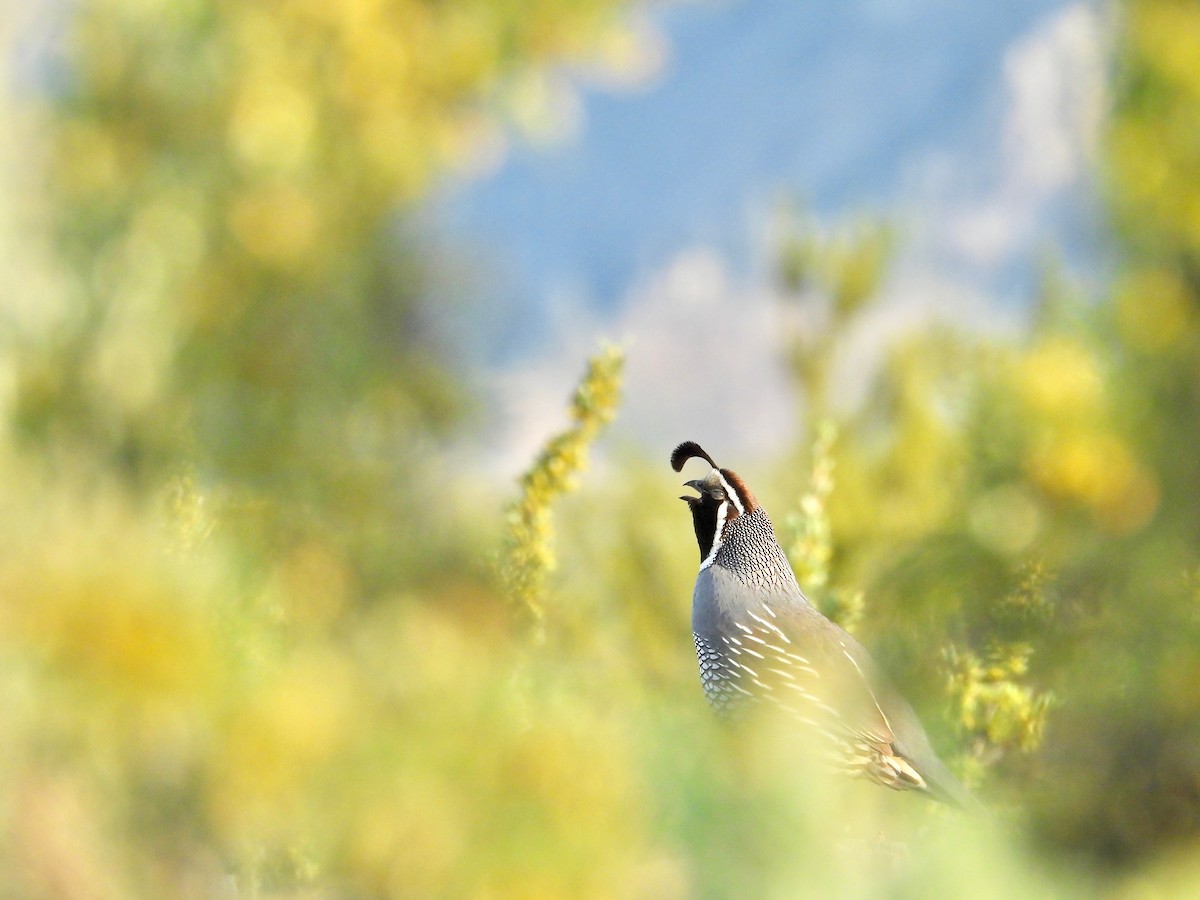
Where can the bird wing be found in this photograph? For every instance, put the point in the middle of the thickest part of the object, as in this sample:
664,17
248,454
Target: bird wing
791,655
781,650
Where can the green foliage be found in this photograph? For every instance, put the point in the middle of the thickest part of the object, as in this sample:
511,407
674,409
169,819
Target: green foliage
527,556
997,712
810,549
250,629
1001,711
834,275
249,633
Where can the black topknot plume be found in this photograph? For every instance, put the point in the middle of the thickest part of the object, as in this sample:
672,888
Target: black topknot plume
686,451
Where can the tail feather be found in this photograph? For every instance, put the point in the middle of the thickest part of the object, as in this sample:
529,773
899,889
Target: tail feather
940,784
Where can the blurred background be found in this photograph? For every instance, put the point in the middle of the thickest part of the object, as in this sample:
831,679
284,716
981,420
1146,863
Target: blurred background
343,346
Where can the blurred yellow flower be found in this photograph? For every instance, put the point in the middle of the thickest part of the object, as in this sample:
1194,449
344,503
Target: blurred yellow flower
1168,37
1153,310
1099,470
273,123
1006,519
279,741
1060,378
410,840
312,585
1137,148
89,162
276,223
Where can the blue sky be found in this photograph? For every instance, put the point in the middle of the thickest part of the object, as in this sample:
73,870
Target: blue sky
969,125
838,103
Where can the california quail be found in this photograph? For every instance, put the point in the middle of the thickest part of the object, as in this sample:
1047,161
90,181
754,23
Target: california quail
758,638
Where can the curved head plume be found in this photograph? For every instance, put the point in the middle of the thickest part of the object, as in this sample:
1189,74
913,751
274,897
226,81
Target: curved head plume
687,450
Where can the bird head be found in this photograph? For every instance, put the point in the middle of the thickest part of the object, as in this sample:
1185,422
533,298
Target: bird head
722,498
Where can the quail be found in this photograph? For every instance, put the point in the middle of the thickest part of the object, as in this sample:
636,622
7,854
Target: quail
758,638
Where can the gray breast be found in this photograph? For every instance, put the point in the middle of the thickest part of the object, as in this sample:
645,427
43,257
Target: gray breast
740,648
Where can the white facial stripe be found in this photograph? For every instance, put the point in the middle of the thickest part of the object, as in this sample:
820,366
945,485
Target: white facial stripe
730,493
722,512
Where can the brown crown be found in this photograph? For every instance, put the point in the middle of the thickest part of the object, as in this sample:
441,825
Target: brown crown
749,501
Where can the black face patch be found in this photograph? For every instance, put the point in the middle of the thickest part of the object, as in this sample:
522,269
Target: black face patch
705,510
723,498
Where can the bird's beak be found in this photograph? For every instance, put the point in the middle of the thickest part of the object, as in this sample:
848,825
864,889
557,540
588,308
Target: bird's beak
697,486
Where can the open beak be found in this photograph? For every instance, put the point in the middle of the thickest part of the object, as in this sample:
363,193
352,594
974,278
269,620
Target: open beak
697,486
